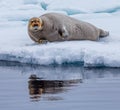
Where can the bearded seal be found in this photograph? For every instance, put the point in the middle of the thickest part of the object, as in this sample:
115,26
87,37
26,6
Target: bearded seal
58,27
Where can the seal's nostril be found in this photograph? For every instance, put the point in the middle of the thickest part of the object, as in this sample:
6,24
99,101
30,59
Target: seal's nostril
35,25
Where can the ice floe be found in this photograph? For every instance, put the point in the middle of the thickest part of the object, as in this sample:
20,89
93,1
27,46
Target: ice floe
15,44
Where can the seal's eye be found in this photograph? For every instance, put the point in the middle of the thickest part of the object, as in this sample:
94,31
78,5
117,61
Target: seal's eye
32,21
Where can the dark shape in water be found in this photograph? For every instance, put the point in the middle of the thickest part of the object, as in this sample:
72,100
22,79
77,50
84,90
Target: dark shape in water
39,86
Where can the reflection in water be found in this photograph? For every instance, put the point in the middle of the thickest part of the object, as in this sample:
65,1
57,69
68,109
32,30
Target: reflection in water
38,86
53,79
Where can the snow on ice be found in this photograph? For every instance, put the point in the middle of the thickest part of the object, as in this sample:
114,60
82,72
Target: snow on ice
15,44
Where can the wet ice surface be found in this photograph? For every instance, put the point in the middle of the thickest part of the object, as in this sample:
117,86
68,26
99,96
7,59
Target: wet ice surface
62,87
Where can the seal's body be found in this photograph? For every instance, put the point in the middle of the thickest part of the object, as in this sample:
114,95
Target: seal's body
59,27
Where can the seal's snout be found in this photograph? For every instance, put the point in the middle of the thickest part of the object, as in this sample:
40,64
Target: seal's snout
36,27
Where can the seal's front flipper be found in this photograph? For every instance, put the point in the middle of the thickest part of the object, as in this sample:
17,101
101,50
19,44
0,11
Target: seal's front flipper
42,41
63,33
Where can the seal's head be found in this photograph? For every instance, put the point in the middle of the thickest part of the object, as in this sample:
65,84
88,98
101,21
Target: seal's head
35,24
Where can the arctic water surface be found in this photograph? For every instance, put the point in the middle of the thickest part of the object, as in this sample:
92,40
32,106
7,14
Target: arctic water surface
29,87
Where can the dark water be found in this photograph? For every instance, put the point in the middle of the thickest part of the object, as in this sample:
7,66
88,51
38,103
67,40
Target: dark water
29,87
